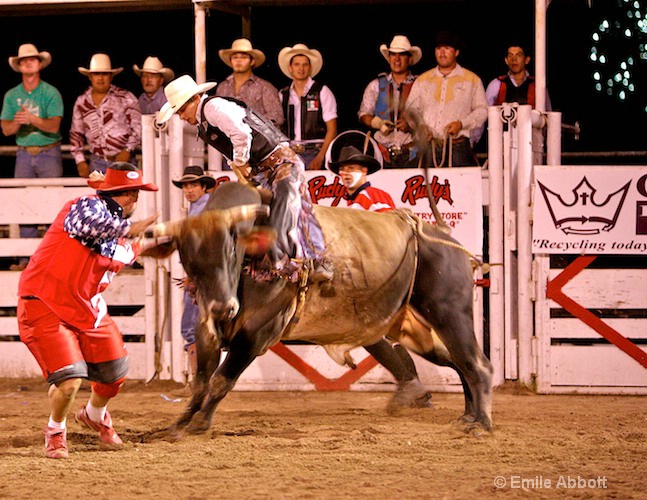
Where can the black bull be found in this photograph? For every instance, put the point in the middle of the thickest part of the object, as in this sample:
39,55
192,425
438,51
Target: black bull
394,276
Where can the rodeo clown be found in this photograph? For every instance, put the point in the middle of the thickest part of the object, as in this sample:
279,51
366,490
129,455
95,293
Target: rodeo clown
62,316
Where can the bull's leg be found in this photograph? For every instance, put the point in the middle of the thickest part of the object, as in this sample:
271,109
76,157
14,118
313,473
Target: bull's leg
208,358
396,359
439,356
443,297
473,368
242,351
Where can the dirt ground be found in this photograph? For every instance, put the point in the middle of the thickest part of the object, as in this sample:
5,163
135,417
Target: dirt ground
330,445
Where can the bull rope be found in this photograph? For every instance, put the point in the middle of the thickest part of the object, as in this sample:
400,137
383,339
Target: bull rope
432,202
476,262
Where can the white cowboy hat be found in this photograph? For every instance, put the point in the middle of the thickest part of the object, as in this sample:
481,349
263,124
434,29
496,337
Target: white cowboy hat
245,46
100,63
154,65
29,50
400,43
178,92
287,53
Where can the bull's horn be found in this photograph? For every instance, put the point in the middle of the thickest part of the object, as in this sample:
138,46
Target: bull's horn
162,229
246,212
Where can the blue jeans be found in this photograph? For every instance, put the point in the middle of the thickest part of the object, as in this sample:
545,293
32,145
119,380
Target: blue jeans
189,319
99,163
461,155
42,165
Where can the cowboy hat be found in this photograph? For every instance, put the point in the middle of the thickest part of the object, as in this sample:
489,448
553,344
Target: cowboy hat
399,44
352,155
29,50
362,142
178,92
245,46
287,53
195,174
119,176
449,39
154,65
100,63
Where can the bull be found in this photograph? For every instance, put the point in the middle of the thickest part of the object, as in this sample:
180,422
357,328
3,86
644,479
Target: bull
394,276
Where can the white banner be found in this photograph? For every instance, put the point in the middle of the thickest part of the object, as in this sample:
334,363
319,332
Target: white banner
457,191
590,210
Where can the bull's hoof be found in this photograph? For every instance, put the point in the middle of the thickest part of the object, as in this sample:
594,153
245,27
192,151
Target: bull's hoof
199,425
466,419
173,434
477,429
410,394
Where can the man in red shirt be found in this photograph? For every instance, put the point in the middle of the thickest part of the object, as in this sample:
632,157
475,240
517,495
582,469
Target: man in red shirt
353,167
62,316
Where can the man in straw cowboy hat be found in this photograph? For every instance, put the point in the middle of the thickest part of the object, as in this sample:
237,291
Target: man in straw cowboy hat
153,76
244,85
32,111
62,316
353,167
382,107
105,116
257,151
195,185
309,107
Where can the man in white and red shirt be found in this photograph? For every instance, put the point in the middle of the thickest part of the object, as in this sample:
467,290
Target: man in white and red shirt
105,116
62,316
353,167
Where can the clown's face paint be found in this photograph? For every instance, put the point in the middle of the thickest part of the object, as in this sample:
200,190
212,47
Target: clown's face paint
351,179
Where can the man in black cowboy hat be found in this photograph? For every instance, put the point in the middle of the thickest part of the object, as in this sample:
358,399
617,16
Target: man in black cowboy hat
62,316
195,184
447,107
353,167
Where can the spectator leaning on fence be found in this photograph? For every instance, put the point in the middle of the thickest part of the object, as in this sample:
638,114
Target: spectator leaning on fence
32,111
105,116
153,76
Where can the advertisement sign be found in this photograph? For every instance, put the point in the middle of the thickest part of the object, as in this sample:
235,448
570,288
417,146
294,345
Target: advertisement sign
457,192
590,210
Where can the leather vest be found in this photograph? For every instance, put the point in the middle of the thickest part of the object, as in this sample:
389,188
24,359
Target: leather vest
384,106
265,135
523,94
312,122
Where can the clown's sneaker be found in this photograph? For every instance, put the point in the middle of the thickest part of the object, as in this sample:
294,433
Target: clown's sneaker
109,438
55,442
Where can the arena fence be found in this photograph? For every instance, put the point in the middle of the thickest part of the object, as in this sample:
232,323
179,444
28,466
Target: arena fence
530,331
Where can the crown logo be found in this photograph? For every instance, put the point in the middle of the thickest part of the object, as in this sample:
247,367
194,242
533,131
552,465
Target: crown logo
584,210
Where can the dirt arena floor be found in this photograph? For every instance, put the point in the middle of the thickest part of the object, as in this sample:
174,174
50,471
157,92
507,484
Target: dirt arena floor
320,445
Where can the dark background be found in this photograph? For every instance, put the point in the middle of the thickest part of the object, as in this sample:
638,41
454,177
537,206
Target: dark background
349,38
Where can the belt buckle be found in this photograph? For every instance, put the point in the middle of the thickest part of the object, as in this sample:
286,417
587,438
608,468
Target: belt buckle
33,150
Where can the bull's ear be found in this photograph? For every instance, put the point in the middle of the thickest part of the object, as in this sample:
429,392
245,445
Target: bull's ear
246,212
259,240
160,250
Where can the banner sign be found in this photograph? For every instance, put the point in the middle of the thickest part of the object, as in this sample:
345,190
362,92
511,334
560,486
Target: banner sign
590,210
457,192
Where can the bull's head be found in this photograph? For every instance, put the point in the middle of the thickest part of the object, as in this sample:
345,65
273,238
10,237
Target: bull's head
211,247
